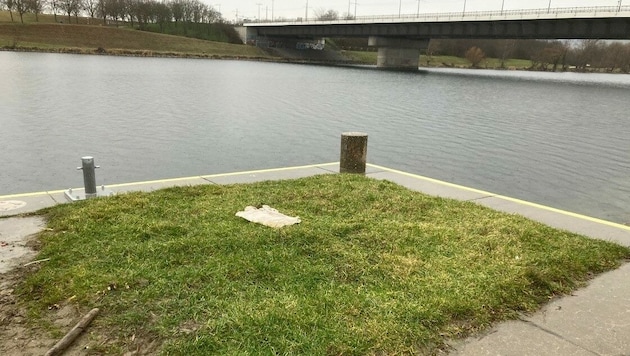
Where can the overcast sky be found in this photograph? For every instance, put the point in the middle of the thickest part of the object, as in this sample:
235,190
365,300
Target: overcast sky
297,8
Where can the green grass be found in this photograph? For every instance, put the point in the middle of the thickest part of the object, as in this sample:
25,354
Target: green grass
458,62
361,57
445,61
87,39
372,269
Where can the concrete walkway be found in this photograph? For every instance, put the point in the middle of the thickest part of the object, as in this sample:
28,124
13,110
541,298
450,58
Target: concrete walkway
593,321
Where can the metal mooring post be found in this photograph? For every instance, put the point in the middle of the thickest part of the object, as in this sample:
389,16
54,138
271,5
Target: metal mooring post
89,182
89,176
353,152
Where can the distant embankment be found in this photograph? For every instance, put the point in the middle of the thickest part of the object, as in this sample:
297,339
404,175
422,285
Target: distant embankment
112,40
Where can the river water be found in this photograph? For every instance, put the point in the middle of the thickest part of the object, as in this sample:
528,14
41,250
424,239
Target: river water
559,139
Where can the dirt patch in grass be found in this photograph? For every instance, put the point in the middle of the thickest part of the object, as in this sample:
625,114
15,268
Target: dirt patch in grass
23,334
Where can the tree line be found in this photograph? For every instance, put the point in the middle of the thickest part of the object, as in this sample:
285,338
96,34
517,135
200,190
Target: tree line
580,55
139,12
557,55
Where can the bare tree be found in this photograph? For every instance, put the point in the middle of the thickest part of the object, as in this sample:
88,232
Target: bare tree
624,64
553,54
77,9
101,10
163,14
69,7
326,15
507,49
475,55
614,56
432,49
91,6
584,54
36,7
53,5
9,5
21,7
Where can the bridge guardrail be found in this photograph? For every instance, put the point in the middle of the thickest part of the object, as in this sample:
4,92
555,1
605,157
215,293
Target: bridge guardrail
560,12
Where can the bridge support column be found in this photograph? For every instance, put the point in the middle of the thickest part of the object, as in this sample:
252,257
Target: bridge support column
398,53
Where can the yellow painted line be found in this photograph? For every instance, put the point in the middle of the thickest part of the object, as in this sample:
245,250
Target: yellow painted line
432,180
27,195
416,176
172,180
157,181
514,200
270,170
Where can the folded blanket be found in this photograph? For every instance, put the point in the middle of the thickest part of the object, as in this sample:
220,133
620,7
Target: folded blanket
267,216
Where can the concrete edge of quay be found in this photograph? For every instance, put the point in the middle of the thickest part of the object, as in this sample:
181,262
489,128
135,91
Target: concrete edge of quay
594,320
16,204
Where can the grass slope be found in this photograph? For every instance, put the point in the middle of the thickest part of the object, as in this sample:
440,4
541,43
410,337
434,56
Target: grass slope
90,38
446,61
373,268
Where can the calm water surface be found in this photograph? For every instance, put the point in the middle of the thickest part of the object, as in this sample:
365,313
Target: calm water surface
556,139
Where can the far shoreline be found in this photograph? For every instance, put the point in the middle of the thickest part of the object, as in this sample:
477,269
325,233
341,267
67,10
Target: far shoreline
275,59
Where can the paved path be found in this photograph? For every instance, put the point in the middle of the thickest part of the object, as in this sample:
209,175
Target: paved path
593,321
14,237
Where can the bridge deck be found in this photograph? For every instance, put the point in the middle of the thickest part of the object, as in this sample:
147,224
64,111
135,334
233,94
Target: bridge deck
602,22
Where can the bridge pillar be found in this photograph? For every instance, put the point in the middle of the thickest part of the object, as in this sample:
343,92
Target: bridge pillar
398,53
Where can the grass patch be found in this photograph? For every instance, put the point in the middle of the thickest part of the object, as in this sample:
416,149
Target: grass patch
445,61
90,38
373,268
361,56
488,63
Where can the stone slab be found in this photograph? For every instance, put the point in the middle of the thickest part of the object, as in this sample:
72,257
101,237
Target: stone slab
26,203
156,184
596,317
576,223
258,176
14,234
517,338
431,187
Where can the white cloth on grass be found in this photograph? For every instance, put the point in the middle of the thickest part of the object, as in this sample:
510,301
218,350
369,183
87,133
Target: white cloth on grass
267,216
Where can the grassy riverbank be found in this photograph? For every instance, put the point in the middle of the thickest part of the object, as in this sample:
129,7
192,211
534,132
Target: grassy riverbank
373,268
96,39
112,40
447,61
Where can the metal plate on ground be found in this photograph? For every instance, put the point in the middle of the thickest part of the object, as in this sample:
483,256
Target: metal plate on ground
9,205
79,194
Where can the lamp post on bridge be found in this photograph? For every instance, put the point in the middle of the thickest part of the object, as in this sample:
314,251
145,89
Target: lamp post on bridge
549,7
502,6
350,2
399,8
619,8
464,11
418,12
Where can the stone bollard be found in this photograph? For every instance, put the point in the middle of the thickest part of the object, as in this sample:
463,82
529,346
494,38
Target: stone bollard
353,152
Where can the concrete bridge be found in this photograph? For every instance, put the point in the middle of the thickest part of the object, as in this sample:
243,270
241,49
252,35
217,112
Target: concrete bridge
400,38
